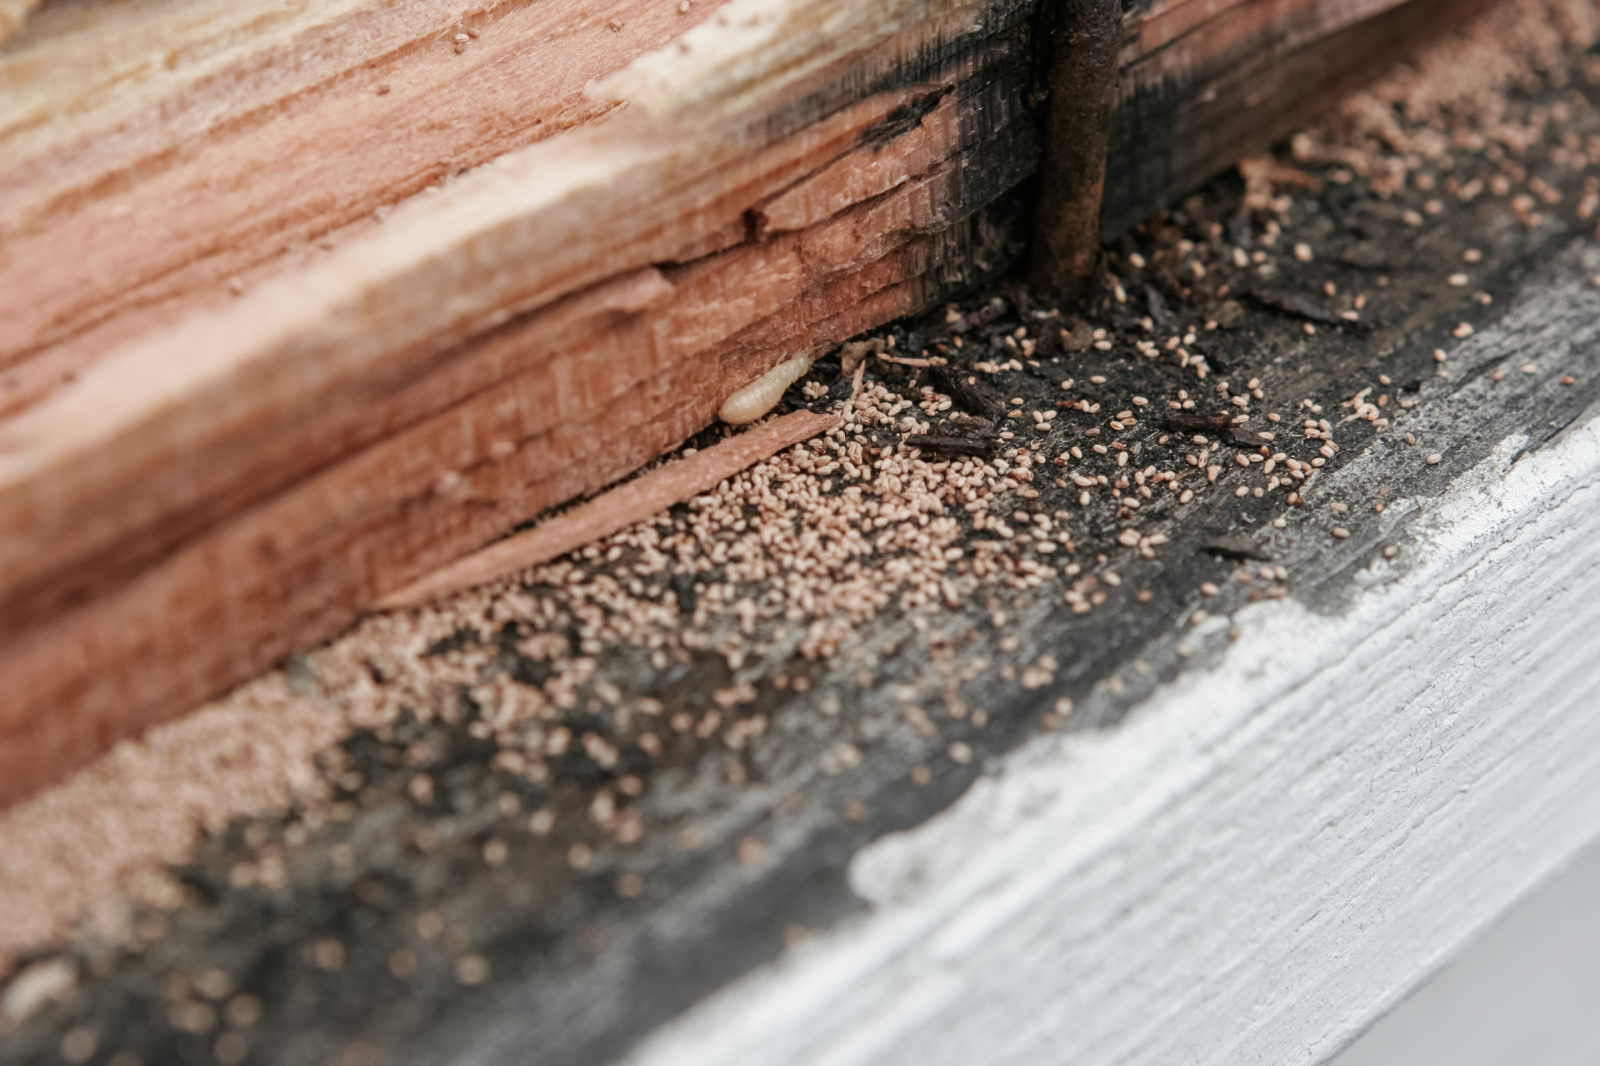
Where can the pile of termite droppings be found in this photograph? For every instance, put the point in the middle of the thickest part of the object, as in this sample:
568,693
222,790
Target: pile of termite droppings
999,448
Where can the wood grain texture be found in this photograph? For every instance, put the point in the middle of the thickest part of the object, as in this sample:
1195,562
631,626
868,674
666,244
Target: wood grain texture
279,382
503,413
774,270
169,181
256,587
1203,85
193,484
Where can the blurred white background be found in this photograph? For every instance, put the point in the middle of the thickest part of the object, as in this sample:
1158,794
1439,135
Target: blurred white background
1526,993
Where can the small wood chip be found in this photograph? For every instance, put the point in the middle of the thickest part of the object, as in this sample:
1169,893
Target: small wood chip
614,510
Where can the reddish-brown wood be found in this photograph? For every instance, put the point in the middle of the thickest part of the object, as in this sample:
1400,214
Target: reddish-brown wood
341,118
140,455
195,483
12,13
489,429
1204,83
248,593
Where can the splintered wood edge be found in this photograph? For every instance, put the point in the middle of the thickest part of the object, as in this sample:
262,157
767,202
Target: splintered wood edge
754,50
202,96
541,224
58,460
438,525
614,510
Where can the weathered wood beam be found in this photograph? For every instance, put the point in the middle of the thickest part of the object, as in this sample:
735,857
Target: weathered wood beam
1204,85
174,149
543,406
714,791
193,483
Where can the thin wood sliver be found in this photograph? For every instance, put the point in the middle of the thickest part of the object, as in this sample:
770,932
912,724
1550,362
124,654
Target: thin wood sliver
614,510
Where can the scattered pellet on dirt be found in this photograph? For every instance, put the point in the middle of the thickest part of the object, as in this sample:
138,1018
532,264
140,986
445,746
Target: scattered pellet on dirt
472,970
933,502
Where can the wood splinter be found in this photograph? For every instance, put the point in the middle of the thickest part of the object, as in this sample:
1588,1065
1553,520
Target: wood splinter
614,510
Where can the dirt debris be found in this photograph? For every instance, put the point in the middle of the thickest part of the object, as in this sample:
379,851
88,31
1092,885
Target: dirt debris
491,770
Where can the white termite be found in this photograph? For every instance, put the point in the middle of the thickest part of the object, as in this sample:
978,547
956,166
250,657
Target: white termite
763,394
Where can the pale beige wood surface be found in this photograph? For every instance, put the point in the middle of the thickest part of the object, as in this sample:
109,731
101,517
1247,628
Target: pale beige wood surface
156,150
